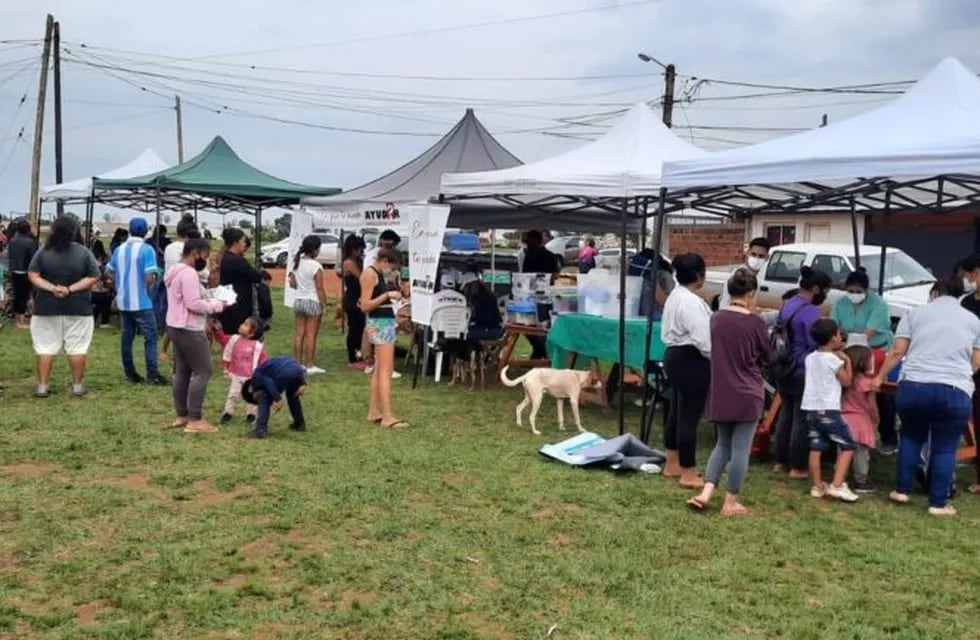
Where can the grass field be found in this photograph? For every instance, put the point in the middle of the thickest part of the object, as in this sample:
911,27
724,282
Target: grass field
455,529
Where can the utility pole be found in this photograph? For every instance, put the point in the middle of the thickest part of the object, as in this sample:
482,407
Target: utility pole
669,74
34,208
58,158
823,120
180,131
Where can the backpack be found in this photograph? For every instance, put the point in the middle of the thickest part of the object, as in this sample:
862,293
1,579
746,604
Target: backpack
782,366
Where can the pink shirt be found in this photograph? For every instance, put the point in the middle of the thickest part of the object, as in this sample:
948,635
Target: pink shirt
857,411
187,308
240,360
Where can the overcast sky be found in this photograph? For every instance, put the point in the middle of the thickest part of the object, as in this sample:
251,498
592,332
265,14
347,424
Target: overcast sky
540,70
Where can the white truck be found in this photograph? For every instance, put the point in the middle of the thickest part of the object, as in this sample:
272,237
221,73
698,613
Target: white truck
906,282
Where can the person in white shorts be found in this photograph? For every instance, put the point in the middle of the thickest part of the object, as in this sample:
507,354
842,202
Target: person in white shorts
63,273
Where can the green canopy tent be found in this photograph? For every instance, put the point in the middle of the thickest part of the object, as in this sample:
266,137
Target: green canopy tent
217,179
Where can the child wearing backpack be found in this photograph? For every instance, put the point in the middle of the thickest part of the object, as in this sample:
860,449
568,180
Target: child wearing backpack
242,355
827,371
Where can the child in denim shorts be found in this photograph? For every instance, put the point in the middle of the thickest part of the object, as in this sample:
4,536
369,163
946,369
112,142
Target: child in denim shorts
827,371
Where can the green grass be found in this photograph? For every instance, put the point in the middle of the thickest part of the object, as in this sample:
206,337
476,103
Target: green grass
112,528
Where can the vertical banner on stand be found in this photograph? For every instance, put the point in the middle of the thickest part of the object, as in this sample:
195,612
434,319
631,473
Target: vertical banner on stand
426,228
301,227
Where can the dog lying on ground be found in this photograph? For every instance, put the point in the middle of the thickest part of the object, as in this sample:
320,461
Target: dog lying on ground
560,384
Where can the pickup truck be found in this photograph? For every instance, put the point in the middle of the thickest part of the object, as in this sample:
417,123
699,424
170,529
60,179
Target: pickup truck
906,283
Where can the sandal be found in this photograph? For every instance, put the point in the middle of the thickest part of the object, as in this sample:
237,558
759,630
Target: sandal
974,489
397,424
737,510
179,423
696,503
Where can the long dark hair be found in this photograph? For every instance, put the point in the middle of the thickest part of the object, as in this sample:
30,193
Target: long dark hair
63,232
351,244
187,228
860,356
310,247
232,235
98,250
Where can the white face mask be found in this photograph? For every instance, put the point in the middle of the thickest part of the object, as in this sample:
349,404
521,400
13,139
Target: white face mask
857,298
969,286
755,263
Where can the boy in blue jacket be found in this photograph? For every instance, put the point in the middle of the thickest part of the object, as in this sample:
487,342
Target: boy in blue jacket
269,381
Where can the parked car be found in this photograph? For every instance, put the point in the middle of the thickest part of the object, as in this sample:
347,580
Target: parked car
566,248
906,284
275,254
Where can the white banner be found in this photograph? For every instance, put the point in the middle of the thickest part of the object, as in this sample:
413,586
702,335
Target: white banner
360,216
302,226
426,228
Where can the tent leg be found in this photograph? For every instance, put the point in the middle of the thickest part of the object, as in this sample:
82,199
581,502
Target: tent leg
258,237
156,230
854,235
493,261
340,268
881,265
195,214
643,228
89,214
622,319
648,411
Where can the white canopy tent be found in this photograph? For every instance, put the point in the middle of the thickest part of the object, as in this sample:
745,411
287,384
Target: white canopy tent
611,179
82,189
921,151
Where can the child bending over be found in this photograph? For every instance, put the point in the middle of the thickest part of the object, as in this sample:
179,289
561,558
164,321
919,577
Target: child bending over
827,370
242,355
269,381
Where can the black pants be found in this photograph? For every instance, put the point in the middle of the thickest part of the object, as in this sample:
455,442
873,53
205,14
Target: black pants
886,422
356,321
792,445
689,373
101,306
22,292
539,347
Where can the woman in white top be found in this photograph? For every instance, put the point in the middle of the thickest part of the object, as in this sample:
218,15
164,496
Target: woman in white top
686,332
307,279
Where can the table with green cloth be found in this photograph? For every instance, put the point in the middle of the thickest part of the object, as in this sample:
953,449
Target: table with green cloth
597,337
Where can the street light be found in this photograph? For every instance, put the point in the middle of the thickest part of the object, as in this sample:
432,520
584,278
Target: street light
646,57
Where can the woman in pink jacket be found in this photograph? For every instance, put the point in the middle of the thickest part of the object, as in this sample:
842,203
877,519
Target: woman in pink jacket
187,312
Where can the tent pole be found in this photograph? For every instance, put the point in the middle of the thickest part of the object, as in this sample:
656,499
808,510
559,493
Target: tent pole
195,213
622,318
648,338
493,260
881,265
258,237
854,234
340,268
643,229
156,230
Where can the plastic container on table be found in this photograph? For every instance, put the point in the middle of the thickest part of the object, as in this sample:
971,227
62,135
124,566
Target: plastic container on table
523,312
564,299
527,286
598,294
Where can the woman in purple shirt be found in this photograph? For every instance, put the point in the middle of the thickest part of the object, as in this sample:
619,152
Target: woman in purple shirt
798,315
740,350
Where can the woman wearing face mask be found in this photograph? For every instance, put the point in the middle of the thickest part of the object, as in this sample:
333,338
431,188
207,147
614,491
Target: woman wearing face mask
864,311
798,315
686,331
235,270
187,312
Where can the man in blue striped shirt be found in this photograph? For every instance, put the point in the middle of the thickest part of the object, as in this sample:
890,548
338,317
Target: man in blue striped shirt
134,269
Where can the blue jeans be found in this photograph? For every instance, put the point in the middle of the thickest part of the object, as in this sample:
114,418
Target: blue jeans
146,320
937,414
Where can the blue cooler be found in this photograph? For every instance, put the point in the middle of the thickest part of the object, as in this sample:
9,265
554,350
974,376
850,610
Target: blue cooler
523,312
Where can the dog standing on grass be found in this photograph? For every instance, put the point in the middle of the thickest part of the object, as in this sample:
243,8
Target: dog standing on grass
560,384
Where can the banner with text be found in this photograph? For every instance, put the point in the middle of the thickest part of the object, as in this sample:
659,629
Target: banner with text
301,227
359,216
426,228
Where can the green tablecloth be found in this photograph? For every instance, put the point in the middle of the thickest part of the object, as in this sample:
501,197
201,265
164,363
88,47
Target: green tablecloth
596,337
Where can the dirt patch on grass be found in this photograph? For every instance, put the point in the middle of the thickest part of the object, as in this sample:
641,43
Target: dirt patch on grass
308,543
485,627
28,469
553,510
134,482
558,541
259,548
237,580
85,614
457,479
352,597
208,495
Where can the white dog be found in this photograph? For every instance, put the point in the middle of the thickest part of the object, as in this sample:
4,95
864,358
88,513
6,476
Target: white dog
559,384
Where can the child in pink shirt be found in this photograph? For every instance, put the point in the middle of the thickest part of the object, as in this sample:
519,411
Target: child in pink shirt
242,355
860,411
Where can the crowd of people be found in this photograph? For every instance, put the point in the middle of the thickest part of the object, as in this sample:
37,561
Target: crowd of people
829,372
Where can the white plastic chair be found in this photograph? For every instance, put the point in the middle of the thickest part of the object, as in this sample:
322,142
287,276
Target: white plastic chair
449,322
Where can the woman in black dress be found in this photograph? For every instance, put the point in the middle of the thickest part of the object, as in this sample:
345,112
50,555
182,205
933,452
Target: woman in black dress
242,276
352,266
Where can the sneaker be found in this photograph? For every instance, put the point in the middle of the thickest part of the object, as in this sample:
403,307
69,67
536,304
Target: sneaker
42,391
225,418
159,381
257,434
898,498
395,375
357,366
78,390
249,419
888,449
842,493
818,492
135,378
948,510
369,369
864,487
315,370
297,427
779,468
